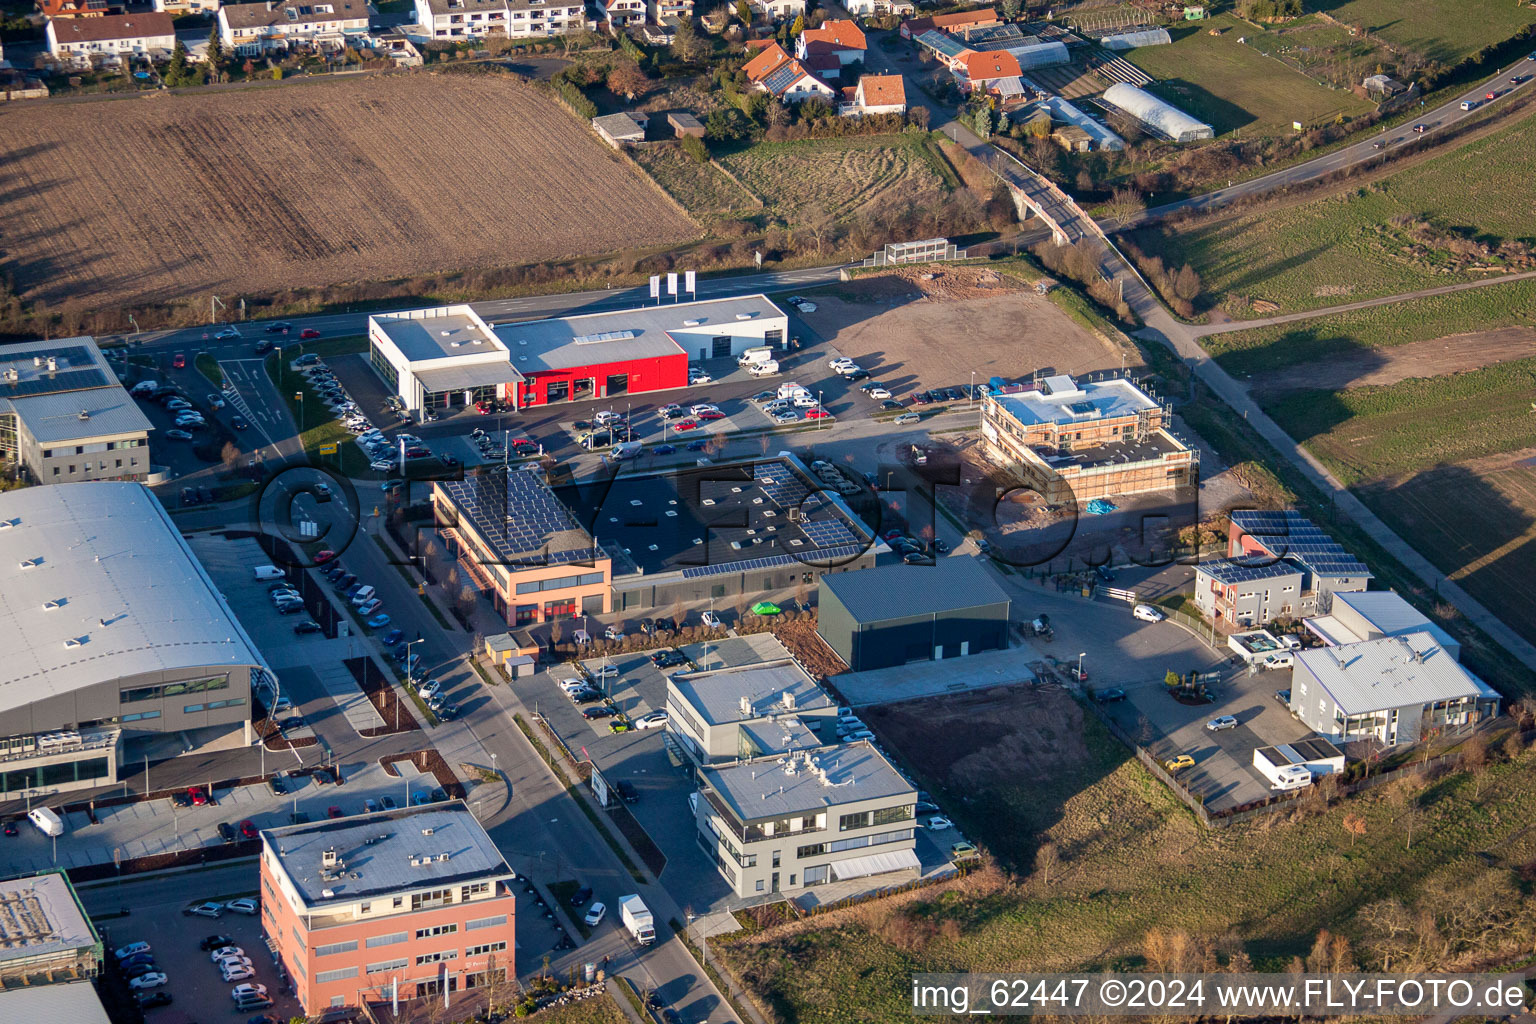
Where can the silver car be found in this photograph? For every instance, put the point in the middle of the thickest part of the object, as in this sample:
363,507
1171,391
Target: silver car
1224,722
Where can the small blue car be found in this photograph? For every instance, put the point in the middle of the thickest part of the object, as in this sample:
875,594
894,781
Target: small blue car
378,621
393,637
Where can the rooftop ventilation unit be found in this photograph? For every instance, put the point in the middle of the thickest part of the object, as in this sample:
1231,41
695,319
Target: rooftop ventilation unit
75,641
789,701
745,705
442,858
427,831
32,563
328,893
595,339
692,323
329,857
84,415
57,602
745,316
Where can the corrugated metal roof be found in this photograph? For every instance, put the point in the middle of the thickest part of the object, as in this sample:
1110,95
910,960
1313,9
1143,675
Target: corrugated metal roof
96,583
1393,672
72,1003
896,591
57,417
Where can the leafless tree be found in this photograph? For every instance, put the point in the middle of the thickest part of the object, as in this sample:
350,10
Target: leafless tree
1046,858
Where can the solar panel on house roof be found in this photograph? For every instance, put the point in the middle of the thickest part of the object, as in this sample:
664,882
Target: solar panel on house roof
1236,572
55,381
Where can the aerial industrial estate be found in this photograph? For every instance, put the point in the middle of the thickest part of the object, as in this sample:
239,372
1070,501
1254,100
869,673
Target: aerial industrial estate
766,511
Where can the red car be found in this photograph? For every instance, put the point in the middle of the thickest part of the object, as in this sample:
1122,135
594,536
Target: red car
179,361
334,812
309,332
198,797
248,829
484,408
1491,96
711,414
817,414
686,425
324,556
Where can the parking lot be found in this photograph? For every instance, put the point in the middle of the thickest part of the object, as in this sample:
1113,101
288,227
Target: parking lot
197,990
1223,774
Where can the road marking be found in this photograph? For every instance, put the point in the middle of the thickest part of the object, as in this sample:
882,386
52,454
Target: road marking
234,370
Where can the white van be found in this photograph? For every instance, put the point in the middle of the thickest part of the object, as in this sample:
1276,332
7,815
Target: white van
806,401
753,356
1147,613
764,369
268,572
362,597
48,822
627,450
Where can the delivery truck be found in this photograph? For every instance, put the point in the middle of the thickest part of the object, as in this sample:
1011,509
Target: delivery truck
637,918
752,356
46,820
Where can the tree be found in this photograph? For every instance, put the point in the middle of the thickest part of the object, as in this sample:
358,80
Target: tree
983,121
249,67
1125,203
1474,758
798,27
1402,796
627,80
1354,824
695,148
215,48
176,72
229,455
726,125
1172,679
686,44
1012,9
744,12
1046,858
1186,283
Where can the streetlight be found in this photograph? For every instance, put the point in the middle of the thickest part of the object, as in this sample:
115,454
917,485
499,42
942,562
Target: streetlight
1080,656
819,409
972,394
408,667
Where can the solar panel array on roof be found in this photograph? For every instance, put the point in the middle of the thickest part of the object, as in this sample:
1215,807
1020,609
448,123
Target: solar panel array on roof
827,533
1286,532
1227,571
782,487
817,557
55,381
783,77
519,515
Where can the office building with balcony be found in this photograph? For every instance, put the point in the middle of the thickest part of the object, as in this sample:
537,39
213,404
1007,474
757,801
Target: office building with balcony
784,823
409,902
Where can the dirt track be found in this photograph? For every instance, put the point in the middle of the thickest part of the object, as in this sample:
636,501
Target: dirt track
248,191
916,334
1432,358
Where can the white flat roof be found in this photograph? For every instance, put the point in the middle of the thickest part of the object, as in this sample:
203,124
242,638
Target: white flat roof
443,332
96,583
39,915
768,788
716,694
72,1003
644,332
1061,400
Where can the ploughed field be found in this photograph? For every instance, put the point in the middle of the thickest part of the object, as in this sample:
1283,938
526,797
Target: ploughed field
251,191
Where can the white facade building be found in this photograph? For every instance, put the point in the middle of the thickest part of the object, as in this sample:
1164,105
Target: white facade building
280,25
113,38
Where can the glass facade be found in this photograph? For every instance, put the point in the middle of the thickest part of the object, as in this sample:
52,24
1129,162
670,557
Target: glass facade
52,775
382,367
177,689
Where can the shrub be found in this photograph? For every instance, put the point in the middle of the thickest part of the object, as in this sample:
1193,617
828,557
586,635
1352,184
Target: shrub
695,148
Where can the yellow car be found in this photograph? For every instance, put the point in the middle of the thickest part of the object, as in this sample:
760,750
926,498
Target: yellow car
961,851
1176,764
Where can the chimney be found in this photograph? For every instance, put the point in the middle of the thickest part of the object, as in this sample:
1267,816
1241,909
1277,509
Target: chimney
745,706
329,857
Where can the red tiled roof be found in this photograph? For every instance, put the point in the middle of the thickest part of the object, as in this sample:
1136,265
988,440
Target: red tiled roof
76,8
115,26
761,66
883,90
990,64
834,35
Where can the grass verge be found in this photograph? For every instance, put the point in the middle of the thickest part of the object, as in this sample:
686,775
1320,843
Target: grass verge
209,367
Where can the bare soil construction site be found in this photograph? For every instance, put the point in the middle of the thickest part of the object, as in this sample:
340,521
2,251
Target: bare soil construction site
250,191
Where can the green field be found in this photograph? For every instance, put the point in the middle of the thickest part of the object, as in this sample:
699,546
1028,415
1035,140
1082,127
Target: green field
1369,433
1133,860
1346,246
838,178
1235,88
1437,29
1268,349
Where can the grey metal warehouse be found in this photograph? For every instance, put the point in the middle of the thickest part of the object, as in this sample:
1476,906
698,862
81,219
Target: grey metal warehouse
894,614
113,633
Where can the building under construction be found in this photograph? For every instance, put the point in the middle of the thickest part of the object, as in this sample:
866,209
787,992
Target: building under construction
1079,440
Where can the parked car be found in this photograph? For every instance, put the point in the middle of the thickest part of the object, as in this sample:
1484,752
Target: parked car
1148,613
429,689
205,910
593,714
215,942
136,961
1109,696
939,823
1179,763
594,915
153,979
132,949
240,992
654,720
226,832
1219,724
379,621
307,626
580,897
334,812
962,850
153,1000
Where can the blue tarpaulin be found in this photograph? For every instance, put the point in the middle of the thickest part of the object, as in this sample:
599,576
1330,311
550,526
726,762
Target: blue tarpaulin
1099,507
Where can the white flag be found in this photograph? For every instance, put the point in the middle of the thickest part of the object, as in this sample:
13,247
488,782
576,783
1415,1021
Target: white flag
672,283
688,282
655,286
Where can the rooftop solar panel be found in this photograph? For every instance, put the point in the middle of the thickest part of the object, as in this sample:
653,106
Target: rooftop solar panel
817,557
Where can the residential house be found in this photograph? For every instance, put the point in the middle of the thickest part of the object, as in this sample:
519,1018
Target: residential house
660,10
281,25
78,8
527,18
621,13
461,19
987,70
1259,535
914,27
111,38
1393,690
782,76
840,39
878,8
618,129
176,8
777,10
1371,615
876,94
